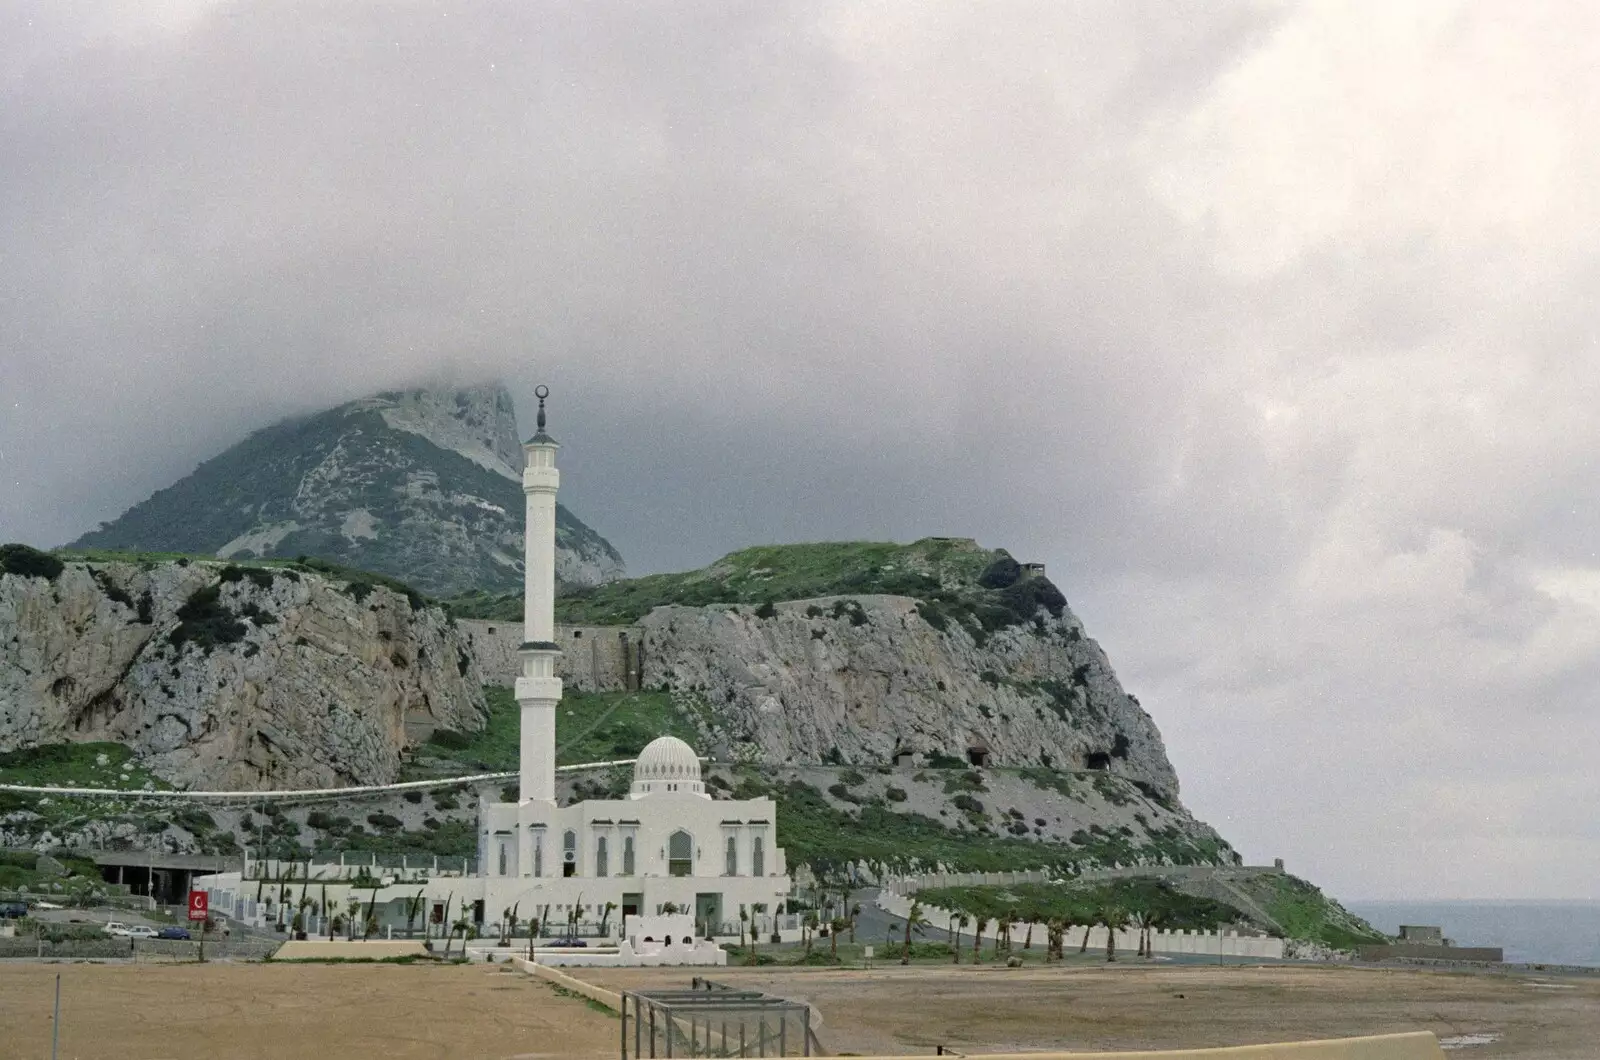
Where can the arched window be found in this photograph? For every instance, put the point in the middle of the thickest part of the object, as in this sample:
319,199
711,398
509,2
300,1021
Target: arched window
502,859
732,866
680,854
600,857
627,855
538,853
758,861
569,853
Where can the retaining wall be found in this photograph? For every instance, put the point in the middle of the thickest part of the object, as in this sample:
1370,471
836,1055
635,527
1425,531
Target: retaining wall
592,659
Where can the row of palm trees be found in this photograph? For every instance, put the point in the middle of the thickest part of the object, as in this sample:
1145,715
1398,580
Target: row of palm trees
1112,917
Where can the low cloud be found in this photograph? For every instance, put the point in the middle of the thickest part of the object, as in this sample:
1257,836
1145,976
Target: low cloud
1268,327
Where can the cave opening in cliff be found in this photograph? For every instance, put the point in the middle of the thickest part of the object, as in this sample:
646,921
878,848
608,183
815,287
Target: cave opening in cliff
978,755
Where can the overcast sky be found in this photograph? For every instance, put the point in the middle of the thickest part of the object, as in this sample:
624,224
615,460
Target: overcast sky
1270,328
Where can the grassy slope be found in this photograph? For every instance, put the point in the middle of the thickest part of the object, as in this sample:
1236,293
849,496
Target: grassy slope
1306,913
590,727
1082,903
76,765
942,572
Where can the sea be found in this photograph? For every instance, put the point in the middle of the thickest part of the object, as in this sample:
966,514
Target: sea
1530,932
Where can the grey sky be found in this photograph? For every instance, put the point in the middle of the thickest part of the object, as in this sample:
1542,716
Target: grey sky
1268,327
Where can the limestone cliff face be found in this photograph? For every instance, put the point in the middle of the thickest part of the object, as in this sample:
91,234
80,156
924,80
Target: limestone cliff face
230,678
855,679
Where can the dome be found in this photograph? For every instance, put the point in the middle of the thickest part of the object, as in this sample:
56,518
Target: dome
667,764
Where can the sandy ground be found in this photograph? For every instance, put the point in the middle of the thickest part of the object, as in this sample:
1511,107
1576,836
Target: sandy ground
266,1012
1129,1007
359,1011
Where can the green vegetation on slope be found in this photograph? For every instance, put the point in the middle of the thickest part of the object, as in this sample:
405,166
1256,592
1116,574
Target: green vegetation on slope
1082,903
83,765
955,580
590,727
812,831
1306,913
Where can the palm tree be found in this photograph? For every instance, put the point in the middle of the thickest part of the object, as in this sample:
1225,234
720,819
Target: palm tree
962,920
1088,927
855,911
413,910
444,923
353,906
915,921
605,915
977,938
1115,918
809,926
836,925
744,922
1144,919
1027,941
323,910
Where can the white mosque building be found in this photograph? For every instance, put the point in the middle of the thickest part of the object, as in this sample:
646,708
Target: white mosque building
667,847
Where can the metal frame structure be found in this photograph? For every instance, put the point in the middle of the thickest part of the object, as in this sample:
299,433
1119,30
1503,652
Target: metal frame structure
711,1019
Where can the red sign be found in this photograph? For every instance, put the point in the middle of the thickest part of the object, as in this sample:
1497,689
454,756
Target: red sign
198,903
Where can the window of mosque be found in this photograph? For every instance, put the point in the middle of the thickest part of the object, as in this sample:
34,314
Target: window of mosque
627,855
502,859
600,857
538,855
732,867
680,854
569,854
758,866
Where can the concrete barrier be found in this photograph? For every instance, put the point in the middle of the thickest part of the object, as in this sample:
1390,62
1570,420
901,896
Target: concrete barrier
374,949
609,998
1417,1045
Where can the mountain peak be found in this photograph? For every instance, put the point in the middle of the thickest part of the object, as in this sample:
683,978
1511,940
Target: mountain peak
478,422
424,485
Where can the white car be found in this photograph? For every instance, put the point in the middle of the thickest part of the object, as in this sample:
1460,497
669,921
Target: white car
141,931
116,927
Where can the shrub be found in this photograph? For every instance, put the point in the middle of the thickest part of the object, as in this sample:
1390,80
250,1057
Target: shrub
29,562
413,797
990,678
449,739
896,794
852,776
385,821
842,793
813,611
967,803
1000,574
767,610
204,620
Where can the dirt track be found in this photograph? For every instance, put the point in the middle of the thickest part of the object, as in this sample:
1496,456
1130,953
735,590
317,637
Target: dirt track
1129,1007
294,1012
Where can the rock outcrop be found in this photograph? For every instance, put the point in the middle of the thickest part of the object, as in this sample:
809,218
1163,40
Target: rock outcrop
229,677
422,485
859,679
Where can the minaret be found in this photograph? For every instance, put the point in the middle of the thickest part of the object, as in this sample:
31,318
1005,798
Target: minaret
539,689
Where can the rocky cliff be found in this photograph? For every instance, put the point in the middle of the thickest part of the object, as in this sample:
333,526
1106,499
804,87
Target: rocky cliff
229,677
852,652
858,679
423,485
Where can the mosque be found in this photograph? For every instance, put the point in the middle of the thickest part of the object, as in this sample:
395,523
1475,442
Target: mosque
668,848
667,843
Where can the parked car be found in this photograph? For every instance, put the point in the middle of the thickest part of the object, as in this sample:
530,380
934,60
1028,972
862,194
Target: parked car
567,943
141,931
117,928
13,910
174,933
